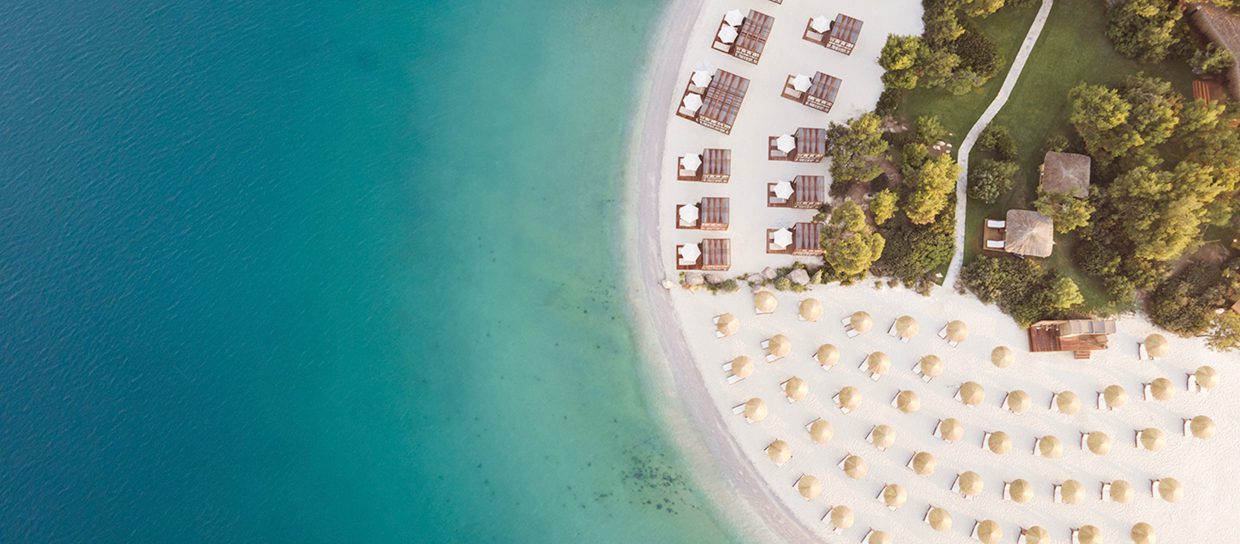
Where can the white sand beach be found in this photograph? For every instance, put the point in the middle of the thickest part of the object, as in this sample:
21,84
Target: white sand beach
691,357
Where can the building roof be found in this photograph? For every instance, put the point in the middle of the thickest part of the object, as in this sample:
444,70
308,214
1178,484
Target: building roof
1066,173
717,252
715,211
846,28
1075,327
811,189
1029,233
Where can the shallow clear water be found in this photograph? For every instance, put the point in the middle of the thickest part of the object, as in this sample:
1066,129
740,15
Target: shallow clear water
324,273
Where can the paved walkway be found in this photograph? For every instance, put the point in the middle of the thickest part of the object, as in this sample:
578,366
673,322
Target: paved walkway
962,184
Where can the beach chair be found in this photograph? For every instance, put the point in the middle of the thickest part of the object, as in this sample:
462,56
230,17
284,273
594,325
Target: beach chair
1034,449
846,321
1084,441
1005,401
715,321
836,400
925,518
1142,353
826,518
1146,393
1058,493
864,368
996,224
892,330
870,438
985,437
851,333
905,339
943,332
1101,402
1105,494
995,244
1191,383
738,409
1007,491
1153,488
879,498
770,358
956,484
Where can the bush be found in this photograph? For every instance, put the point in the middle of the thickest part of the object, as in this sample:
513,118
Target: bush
1055,142
1021,287
997,139
889,101
978,53
990,179
1185,303
930,130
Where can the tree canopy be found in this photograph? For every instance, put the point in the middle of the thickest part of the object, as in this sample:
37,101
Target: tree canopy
1068,211
1144,29
853,148
933,183
850,246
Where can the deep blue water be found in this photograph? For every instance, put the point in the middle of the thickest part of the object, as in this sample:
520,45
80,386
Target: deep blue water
323,272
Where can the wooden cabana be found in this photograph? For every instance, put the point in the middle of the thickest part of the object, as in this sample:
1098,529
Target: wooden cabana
754,32
1079,336
718,106
1028,233
807,145
839,35
819,92
713,166
1065,173
804,240
711,213
808,192
714,254
1223,28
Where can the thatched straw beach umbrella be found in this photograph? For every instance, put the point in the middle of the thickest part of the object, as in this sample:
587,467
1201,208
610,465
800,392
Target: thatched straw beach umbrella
827,355
1050,447
877,363
1020,491
848,399
950,429
930,366
907,401
1088,534
861,322
1071,492
894,496
1156,345
821,431
1201,427
999,443
1152,439
1161,389
878,537
796,389
1002,356
1206,377
1170,489
1017,401
882,436
842,517
939,519
989,532
779,452
957,332
1114,396
755,410
1121,491
726,325
742,367
1143,533
855,467
778,346
969,483
923,463
809,487
1035,535
810,309
1067,403
971,393
1098,443
906,326
764,302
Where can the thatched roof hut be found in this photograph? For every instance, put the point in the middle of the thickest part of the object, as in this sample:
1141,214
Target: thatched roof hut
1029,233
1066,173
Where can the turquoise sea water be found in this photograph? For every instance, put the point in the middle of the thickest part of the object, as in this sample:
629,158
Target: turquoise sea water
324,273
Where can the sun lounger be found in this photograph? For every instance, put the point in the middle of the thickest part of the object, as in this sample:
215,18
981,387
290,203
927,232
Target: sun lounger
826,518
996,224
770,358
846,321
733,378
995,244
1102,403
1084,443
892,330
1191,382
851,333
985,437
1105,494
1188,427
738,409
943,332
1142,353
926,518
955,482
1058,494
953,344
836,400
1146,393
973,535
1007,491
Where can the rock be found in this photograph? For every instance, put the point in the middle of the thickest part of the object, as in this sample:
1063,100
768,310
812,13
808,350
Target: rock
667,284
769,273
694,279
754,279
799,276
715,279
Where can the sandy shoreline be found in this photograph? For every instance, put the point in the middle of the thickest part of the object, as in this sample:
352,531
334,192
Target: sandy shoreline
697,425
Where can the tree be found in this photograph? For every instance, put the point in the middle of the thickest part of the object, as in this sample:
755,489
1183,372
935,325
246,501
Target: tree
933,183
930,130
997,139
1155,107
883,206
978,53
991,179
854,147
1211,59
1068,211
899,58
1100,116
1063,294
1144,29
980,8
1225,332
913,251
1185,303
1162,211
848,243
936,67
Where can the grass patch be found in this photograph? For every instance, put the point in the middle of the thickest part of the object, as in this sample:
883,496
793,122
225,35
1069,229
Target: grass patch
1072,49
1007,30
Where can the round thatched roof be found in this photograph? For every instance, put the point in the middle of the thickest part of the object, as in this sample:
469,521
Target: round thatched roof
820,431
939,519
755,410
972,393
1050,447
1202,426
1067,402
1114,396
742,367
861,322
827,355
809,487
1098,443
779,452
931,365
1018,401
842,516
810,309
906,326
1002,356
924,463
796,388
727,324
1020,490
764,302
855,467
951,429
849,397
999,442
907,401
779,346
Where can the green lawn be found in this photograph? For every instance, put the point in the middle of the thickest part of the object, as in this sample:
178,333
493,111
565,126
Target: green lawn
1007,29
1073,48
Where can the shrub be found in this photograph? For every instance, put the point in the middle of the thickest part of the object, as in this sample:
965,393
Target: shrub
978,53
1185,303
889,101
990,179
1055,142
997,139
1021,287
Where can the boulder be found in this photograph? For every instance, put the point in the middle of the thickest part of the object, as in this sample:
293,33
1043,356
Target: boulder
694,279
715,279
769,273
799,276
754,279
667,284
